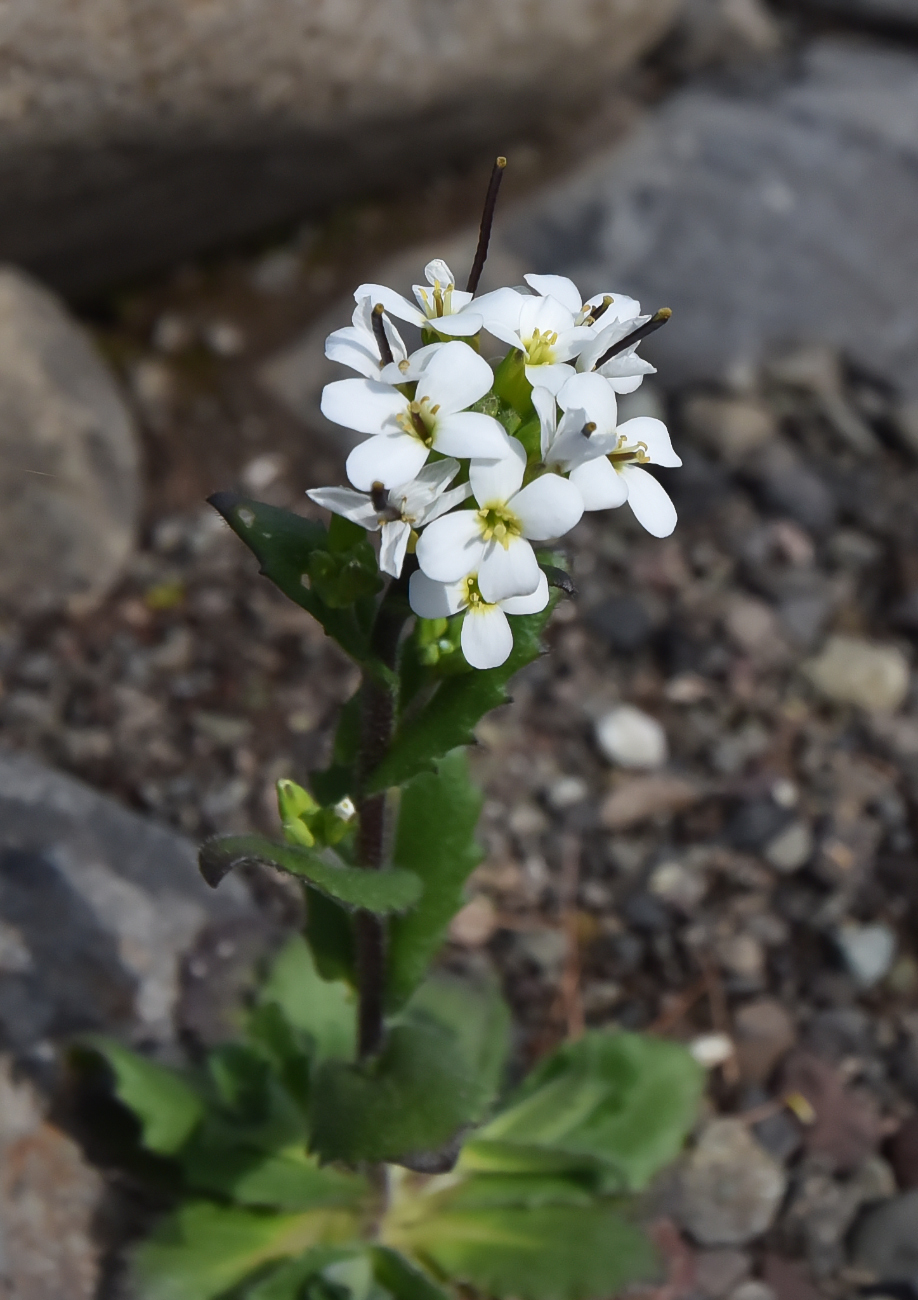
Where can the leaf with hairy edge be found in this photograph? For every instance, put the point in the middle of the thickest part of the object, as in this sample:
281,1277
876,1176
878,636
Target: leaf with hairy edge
552,1252
166,1105
437,1073
285,546
448,718
379,892
402,1278
435,839
326,1010
625,1101
203,1249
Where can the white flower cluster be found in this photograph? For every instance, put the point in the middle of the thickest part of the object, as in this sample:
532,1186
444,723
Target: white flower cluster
447,481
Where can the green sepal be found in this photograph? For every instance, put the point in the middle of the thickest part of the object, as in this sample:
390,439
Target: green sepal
437,1073
435,839
512,386
449,715
530,435
284,545
168,1108
379,892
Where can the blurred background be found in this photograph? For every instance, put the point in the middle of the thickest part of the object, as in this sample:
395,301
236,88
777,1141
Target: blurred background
700,811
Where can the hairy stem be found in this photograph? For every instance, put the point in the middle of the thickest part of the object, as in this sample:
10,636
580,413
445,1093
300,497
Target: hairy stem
377,727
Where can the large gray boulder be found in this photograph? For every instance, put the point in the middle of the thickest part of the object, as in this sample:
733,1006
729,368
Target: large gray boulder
69,458
134,133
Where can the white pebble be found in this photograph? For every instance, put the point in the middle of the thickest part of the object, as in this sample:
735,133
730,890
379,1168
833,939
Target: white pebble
630,738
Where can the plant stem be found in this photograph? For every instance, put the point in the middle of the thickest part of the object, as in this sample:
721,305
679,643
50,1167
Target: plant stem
377,727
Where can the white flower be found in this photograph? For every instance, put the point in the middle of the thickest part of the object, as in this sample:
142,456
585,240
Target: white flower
493,541
544,329
626,370
407,431
441,306
564,443
356,346
608,473
398,511
486,637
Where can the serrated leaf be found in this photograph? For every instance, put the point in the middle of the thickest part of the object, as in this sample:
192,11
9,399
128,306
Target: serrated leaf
557,1252
435,839
402,1278
379,892
438,1072
625,1100
449,716
203,1249
326,1010
286,1282
167,1106
284,543
284,1180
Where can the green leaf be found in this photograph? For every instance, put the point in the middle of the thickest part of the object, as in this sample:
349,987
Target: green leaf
285,546
330,932
338,780
484,1191
287,1281
449,716
556,1252
438,1072
625,1101
285,1180
379,892
203,1249
326,1010
435,839
402,1278
167,1106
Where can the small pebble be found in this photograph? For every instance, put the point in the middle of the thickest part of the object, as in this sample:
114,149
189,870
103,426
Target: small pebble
711,1050
630,738
474,924
566,792
730,1187
791,849
224,338
868,951
872,675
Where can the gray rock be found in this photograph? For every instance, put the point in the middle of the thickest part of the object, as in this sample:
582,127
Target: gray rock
812,173
886,1242
718,1272
730,1188
823,1208
69,457
868,951
102,904
791,848
130,135
850,670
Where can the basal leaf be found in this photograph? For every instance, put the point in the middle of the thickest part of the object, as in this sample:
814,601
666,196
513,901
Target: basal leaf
448,717
326,1010
437,1073
284,1180
625,1100
436,840
402,1278
203,1249
372,891
288,1280
285,546
166,1105
555,1252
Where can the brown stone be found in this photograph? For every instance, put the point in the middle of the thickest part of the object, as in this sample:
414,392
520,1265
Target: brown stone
645,797
763,1032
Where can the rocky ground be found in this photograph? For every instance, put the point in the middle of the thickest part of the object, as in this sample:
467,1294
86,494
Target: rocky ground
701,808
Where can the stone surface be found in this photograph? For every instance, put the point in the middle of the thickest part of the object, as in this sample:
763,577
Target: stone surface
868,951
131,135
629,737
850,670
645,797
69,457
895,14
762,1031
811,171
791,848
97,906
845,1126
886,1242
730,1187
717,1272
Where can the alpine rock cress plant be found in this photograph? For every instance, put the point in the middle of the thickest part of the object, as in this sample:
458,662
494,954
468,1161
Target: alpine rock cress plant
358,1141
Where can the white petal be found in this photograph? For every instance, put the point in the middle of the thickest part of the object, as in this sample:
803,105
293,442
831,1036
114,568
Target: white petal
393,302
363,404
560,287
470,433
505,334
351,348
454,378
363,322
625,384
431,481
417,364
508,571
553,377
547,411
486,638
655,436
463,324
355,506
391,459
436,271
599,485
394,544
502,308
431,599
451,547
495,481
533,604
594,394
620,308
545,315
550,506
572,342
446,501
604,336
649,501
